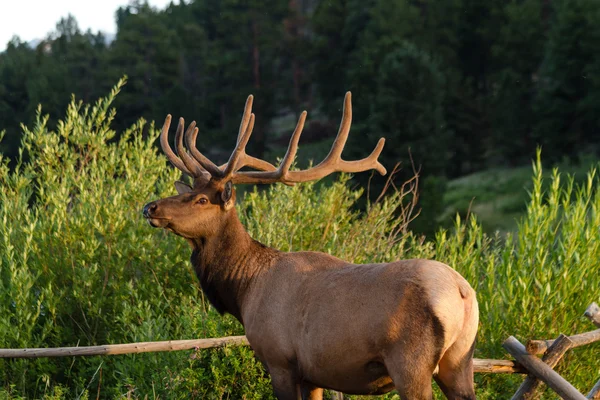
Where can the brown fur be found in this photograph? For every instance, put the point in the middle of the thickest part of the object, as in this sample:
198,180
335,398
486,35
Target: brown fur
316,321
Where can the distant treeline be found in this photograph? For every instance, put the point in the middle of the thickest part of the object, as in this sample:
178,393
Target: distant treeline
464,84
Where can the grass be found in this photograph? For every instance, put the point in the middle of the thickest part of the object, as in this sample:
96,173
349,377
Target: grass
497,196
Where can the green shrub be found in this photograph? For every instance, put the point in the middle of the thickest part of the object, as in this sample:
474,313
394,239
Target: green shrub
79,266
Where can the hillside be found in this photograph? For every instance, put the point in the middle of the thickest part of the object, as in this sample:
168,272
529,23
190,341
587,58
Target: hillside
499,196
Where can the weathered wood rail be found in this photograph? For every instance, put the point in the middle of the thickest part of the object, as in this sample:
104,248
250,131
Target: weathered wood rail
538,370
128,348
480,365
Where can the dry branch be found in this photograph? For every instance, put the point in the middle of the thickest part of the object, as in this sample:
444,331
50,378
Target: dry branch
540,346
111,349
551,357
541,370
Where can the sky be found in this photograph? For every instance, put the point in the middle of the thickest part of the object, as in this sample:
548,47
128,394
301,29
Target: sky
34,19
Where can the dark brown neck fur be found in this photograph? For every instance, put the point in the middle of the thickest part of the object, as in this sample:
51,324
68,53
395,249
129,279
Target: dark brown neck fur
226,264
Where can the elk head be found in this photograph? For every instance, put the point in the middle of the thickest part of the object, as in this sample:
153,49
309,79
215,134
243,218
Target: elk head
202,209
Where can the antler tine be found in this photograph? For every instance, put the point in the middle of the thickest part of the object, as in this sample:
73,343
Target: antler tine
164,143
252,162
367,163
290,154
340,140
237,158
246,117
246,127
191,164
332,163
190,141
256,163
373,157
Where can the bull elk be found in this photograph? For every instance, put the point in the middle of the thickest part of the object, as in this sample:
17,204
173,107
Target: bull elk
314,320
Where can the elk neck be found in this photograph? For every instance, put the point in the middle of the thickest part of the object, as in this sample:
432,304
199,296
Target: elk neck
227,262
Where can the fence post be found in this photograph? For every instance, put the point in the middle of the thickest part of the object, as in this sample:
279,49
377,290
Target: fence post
551,357
542,371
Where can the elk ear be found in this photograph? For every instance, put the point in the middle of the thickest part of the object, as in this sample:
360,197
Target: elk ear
227,195
182,187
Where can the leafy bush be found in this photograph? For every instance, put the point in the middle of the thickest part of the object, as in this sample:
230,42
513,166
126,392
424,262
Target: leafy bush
79,266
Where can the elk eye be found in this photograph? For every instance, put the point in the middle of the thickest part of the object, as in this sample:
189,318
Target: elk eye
202,201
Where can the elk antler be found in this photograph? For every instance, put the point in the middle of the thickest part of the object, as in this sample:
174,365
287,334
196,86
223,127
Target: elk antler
332,163
196,164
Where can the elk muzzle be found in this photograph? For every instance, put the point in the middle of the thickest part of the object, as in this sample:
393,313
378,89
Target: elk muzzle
150,213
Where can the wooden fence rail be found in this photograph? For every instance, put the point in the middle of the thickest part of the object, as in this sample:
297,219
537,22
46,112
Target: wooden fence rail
480,365
540,346
129,348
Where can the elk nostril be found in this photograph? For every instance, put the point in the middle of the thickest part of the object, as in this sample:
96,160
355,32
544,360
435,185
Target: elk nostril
149,209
